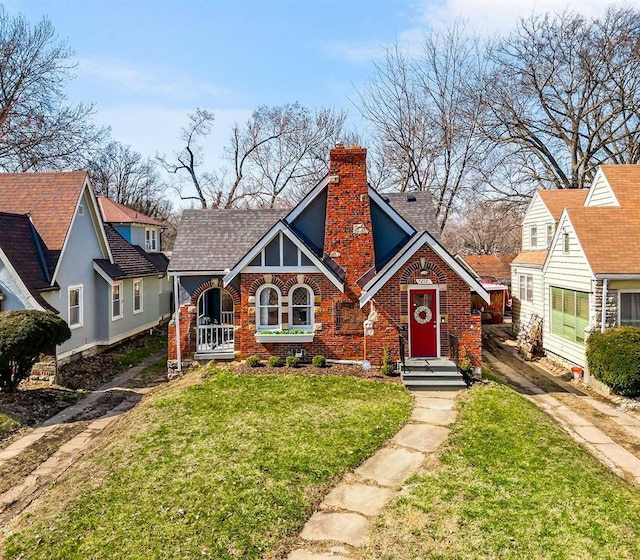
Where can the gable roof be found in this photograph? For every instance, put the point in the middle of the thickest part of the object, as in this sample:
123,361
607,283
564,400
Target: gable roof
50,199
624,180
215,240
417,209
116,213
129,261
24,251
557,199
609,237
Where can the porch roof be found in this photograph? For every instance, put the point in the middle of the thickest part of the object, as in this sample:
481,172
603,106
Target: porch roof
216,240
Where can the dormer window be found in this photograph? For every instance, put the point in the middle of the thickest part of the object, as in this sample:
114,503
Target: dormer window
151,239
533,236
549,235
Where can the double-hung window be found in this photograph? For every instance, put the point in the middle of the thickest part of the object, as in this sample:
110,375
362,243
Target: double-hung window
629,309
569,314
137,296
533,236
549,235
301,308
269,313
116,301
526,288
75,307
151,239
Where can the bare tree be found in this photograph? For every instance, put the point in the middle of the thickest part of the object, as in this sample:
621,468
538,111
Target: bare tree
190,157
425,114
38,130
564,96
123,175
485,227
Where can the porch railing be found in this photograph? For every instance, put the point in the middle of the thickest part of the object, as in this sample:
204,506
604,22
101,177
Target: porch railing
215,338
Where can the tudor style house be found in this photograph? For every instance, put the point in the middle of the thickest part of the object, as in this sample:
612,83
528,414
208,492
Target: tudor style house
57,254
344,273
579,248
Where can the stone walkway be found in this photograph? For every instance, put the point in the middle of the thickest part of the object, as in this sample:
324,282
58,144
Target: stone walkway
624,463
344,516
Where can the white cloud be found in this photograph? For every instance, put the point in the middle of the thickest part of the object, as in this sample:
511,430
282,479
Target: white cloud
125,79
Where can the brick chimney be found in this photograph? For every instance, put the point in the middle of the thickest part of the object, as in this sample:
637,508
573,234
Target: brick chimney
348,237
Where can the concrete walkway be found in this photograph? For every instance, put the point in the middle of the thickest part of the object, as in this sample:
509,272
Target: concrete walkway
344,516
624,463
15,499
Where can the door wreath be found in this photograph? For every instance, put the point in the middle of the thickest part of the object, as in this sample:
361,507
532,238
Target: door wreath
419,317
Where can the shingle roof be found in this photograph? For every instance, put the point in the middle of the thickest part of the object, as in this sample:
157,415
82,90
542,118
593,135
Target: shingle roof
23,247
531,257
490,265
50,198
218,239
116,213
609,237
417,209
129,261
625,182
558,200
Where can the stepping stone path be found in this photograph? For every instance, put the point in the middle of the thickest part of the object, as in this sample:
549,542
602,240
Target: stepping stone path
342,521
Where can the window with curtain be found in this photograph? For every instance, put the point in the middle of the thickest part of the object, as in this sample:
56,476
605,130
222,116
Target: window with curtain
301,302
116,301
569,314
629,309
268,312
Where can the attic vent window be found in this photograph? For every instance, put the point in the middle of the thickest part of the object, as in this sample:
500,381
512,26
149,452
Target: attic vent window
80,210
411,198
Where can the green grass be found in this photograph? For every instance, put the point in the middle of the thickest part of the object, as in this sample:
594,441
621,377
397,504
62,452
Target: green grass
7,425
511,485
226,468
133,357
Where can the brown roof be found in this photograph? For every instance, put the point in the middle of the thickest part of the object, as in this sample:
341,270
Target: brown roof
625,181
490,265
116,213
609,237
558,200
531,257
50,199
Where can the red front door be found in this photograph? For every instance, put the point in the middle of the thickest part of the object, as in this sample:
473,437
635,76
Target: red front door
423,323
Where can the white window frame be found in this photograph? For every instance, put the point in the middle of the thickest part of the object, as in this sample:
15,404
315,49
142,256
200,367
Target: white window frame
620,293
549,234
259,326
311,307
533,236
150,239
525,288
120,301
140,283
80,290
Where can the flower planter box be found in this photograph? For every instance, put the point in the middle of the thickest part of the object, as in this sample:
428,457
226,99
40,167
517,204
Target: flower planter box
279,338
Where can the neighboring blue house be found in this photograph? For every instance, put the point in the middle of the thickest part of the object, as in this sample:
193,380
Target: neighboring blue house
56,254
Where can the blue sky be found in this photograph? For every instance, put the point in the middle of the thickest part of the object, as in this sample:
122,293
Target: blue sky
147,64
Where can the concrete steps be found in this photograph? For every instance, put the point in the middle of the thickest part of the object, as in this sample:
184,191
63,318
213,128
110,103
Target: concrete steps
430,374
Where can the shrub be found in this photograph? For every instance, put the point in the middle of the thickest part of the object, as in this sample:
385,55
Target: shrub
253,361
319,361
274,361
388,366
24,335
614,358
293,361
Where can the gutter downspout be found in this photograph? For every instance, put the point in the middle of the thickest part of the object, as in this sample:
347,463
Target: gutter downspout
176,302
605,286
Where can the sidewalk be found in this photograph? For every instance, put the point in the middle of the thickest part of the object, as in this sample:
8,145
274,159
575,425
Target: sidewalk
16,498
600,442
344,516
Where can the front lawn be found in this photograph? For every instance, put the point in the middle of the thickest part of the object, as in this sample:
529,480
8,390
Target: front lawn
511,484
224,467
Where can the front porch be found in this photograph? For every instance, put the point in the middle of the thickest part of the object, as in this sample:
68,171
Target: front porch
215,342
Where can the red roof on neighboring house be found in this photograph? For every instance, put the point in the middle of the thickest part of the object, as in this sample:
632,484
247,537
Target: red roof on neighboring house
115,213
50,199
490,265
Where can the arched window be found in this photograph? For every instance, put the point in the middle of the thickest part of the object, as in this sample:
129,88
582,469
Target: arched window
301,308
268,315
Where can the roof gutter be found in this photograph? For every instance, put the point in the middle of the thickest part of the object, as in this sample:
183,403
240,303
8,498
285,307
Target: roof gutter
617,276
